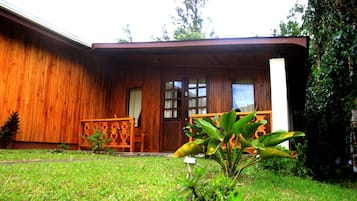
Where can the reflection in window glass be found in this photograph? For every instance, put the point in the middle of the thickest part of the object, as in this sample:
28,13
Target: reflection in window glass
168,104
202,111
167,114
243,97
168,85
178,84
191,112
202,83
192,92
192,103
202,92
168,94
202,102
192,84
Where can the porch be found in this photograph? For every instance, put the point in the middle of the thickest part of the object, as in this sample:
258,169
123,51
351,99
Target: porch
120,133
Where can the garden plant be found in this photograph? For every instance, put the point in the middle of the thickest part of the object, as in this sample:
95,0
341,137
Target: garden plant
9,130
231,144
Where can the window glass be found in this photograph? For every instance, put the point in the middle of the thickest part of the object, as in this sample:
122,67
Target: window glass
168,85
167,114
202,102
202,92
192,103
202,111
178,84
243,96
202,83
192,92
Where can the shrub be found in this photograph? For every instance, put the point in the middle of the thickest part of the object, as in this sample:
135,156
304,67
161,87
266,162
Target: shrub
98,140
205,185
288,166
9,130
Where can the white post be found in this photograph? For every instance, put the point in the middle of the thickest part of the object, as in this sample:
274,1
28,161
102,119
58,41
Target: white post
279,98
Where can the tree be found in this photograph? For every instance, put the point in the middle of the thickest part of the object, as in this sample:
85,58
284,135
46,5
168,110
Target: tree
165,36
189,21
332,85
129,38
292,27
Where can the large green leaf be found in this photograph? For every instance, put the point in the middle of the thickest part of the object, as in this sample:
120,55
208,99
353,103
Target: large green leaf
213,145
274,152
277,137
211,130
244,142
236,127
227,120
189,148
249,129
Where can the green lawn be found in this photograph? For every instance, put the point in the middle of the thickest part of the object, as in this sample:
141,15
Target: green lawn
73,175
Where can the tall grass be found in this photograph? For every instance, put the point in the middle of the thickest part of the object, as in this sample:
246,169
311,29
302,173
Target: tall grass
44,175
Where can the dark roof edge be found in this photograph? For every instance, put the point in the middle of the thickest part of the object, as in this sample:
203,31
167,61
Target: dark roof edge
41,27
300,41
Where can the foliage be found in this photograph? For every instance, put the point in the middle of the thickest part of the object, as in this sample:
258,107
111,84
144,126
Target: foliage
98,140
9,129
63,146
292,27
233,156
189,21
287,166
332,85
204,185
129,37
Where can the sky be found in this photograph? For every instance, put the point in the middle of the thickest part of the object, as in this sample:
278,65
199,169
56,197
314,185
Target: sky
102,21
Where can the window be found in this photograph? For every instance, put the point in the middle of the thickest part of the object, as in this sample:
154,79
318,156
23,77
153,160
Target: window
173,99
184,98
197,97
243,95
134,105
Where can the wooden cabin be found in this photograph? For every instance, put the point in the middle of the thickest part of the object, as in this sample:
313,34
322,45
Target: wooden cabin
54,81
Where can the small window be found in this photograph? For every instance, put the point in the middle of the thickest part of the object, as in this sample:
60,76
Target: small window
243,96
173,96
135,105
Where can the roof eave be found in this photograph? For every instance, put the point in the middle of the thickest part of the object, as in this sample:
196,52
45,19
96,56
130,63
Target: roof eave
300,41
41,27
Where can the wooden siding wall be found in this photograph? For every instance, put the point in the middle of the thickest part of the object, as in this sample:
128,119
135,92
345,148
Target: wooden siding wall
51,86
220,87
149,79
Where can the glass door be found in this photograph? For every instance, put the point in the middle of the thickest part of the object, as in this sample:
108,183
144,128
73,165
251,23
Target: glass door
181,98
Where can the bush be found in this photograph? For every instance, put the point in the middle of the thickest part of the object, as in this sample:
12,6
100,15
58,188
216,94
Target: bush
98,140
287,166
206,185
9,129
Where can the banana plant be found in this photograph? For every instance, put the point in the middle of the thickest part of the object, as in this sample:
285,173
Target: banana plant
230,142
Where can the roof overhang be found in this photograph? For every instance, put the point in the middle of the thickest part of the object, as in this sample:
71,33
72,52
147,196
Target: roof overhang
208,45
30,22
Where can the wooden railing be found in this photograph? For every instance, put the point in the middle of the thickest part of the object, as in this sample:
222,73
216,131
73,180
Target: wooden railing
262,130
120,131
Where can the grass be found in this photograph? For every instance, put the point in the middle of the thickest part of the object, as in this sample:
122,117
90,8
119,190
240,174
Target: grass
73,175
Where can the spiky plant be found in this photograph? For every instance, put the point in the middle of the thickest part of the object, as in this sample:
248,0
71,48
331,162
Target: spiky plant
9,129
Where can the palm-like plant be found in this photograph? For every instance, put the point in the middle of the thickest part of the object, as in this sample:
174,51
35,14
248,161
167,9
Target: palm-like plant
231,144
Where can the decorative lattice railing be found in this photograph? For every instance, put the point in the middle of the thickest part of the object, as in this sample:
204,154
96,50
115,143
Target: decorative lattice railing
262,130
119,131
